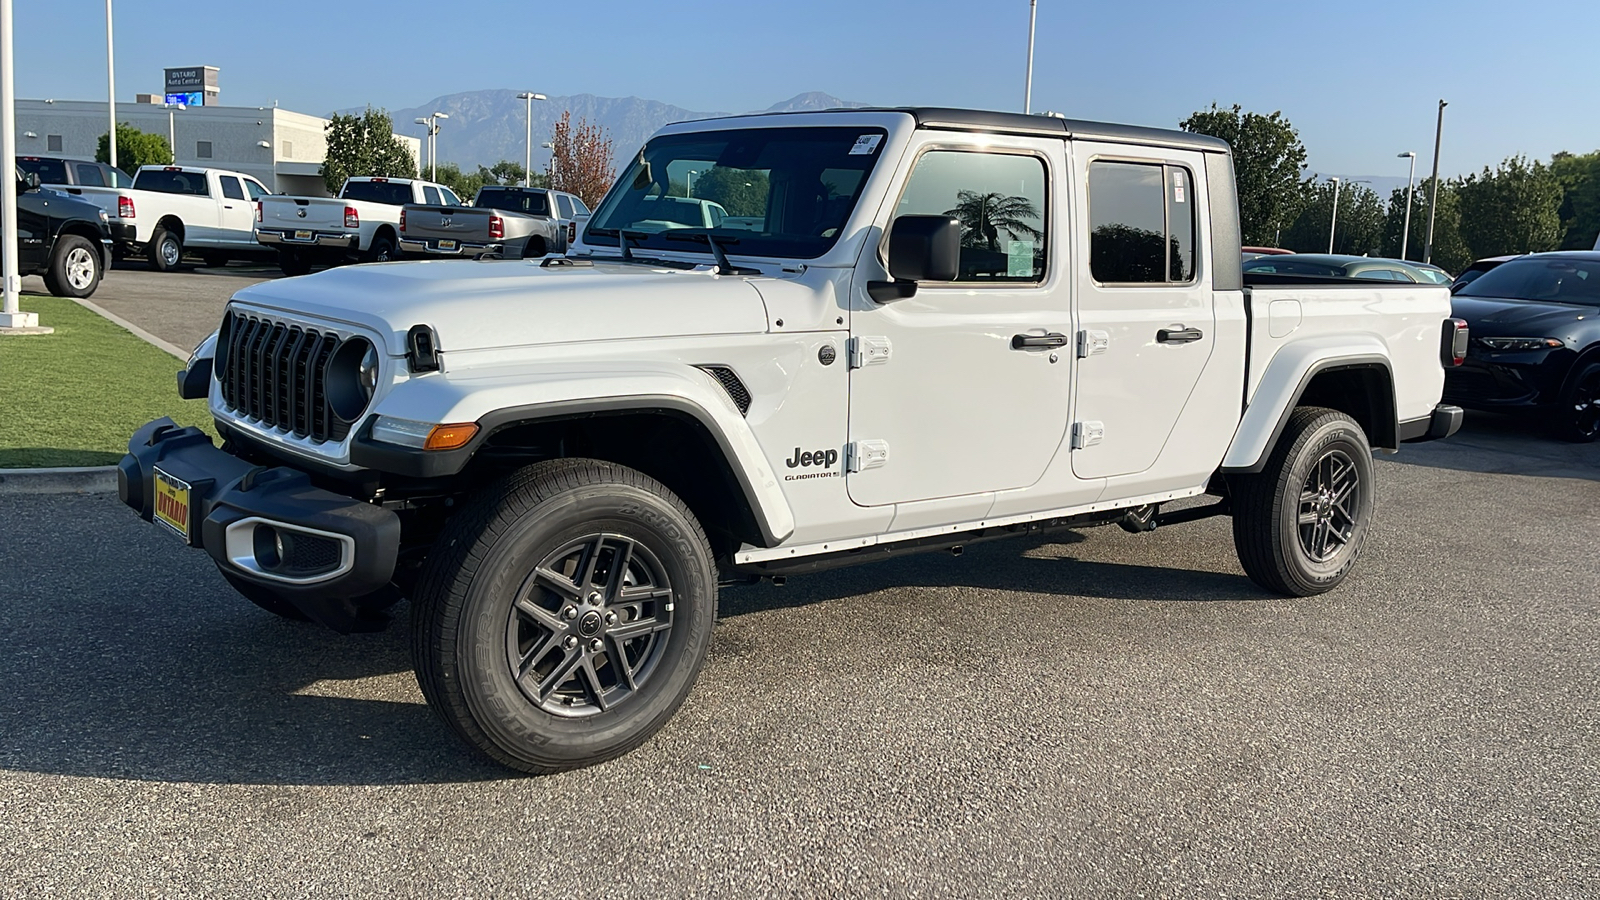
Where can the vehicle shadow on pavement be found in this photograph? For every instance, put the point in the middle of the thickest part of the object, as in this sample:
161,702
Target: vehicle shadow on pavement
1039,565
1504,445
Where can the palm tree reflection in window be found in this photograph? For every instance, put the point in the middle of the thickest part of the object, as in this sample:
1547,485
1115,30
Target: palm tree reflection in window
983,216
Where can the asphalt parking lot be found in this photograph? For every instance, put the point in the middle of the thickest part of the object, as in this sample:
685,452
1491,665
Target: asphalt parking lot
1089,714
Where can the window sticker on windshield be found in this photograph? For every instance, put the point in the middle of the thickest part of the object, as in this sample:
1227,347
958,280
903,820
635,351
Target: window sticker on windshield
1177,186
865,144
1019,259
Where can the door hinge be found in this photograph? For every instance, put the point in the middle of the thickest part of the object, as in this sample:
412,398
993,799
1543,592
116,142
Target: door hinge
862,455
1087,434
869,351
1091,342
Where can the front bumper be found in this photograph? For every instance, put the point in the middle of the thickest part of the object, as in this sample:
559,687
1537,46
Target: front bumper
1507,380
338,240
347,547
123,232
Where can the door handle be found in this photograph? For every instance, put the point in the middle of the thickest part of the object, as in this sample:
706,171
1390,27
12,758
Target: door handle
1038,341
1178,335
227,207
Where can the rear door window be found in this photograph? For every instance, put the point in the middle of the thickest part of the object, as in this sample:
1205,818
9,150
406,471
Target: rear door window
1141,223
564,205
430,195
231,187
89,174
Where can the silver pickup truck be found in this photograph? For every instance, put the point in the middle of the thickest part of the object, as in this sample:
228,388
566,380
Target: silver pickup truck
505,220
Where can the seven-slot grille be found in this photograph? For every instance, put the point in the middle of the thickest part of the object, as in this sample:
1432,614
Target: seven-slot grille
276,374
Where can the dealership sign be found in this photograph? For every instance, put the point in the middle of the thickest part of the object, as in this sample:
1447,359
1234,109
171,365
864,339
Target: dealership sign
191,85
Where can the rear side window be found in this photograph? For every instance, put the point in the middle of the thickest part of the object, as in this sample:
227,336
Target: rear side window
564,205
430,196
999,198
50,171
231,188
168,182
1141,223
89,174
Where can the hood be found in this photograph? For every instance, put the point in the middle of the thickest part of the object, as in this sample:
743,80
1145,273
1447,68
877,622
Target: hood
1495,317
482,305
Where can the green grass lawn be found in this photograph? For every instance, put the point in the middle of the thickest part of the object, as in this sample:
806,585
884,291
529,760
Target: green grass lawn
73,398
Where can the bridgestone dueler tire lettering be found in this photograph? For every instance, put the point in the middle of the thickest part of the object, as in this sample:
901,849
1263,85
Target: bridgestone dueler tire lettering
469,583
1266,506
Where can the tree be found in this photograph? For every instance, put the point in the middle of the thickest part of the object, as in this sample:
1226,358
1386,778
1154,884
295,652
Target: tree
135,148
984,216
742,192
1579,177
1268,159
365,145
580,160
1516,208
1449,250
1360,229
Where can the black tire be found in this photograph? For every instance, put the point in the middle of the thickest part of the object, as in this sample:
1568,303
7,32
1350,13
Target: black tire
215,260
263,597
382,250
1578,415
483,622
165,250
535,248
293,262
75,269
1299,524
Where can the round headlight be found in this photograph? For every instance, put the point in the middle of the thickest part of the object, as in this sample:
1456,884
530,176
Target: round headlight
369,371
352,378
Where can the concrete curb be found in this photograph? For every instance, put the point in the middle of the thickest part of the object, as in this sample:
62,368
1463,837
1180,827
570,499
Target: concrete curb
65,480
138,332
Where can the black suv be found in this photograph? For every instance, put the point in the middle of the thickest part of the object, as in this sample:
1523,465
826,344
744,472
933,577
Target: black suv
62,238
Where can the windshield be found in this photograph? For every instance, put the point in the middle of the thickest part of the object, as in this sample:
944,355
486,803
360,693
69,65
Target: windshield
780,192
1564,280
387,192
534,203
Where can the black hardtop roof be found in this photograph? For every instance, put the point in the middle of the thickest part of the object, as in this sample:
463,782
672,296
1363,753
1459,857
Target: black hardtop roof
1021,123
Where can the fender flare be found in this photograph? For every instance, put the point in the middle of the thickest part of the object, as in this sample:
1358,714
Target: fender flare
1283,384
684,391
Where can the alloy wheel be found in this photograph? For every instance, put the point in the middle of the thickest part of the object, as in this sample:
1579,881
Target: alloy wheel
1586,404
589,625
80,268
1329,506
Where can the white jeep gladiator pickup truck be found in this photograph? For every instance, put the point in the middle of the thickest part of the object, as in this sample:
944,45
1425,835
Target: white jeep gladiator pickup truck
947,326
362,224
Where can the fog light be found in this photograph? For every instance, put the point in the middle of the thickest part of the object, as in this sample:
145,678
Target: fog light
270,547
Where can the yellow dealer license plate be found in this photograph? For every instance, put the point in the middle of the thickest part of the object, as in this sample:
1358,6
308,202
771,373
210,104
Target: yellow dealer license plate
172,503
302,235
447,245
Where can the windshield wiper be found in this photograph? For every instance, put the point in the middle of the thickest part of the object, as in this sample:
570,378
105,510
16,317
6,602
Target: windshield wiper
624,236
716,243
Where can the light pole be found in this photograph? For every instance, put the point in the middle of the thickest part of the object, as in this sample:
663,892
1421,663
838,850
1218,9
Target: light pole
433,147
1433,193
527,164
11,314
1334,223
172,129
1033,18
547,145
689,190
1405,231
111,90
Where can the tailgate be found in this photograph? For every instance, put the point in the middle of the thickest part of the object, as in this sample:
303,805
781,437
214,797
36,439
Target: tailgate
456,223
302,213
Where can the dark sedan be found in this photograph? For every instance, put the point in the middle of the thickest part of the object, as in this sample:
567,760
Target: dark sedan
1535,325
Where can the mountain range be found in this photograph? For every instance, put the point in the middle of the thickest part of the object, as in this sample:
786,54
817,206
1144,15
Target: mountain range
490,125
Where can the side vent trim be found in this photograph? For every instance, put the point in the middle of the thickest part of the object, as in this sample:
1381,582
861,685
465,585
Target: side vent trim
729,379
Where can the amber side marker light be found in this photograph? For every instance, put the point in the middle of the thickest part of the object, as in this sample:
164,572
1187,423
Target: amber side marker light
449,437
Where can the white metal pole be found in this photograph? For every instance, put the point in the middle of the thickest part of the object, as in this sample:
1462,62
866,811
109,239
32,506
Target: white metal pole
12,313
527,158
1334,223
172,135
111,89
1405,234
1033,18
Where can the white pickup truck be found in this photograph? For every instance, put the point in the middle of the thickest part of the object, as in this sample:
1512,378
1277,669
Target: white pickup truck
361,224
173,211
948,326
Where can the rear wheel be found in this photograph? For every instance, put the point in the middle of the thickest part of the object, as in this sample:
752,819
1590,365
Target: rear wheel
562,619
75,269
1578,416
165,250
382,250
535,248
1299,524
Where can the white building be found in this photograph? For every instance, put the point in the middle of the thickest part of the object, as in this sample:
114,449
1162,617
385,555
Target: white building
283,149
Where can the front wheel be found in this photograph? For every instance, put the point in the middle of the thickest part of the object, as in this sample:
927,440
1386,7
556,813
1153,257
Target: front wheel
1578,415
561,620
75,269
1299,524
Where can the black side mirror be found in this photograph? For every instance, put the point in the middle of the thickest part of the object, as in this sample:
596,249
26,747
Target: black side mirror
921,248
29,181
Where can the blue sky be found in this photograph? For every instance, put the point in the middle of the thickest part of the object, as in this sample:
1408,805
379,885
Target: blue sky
1360,79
